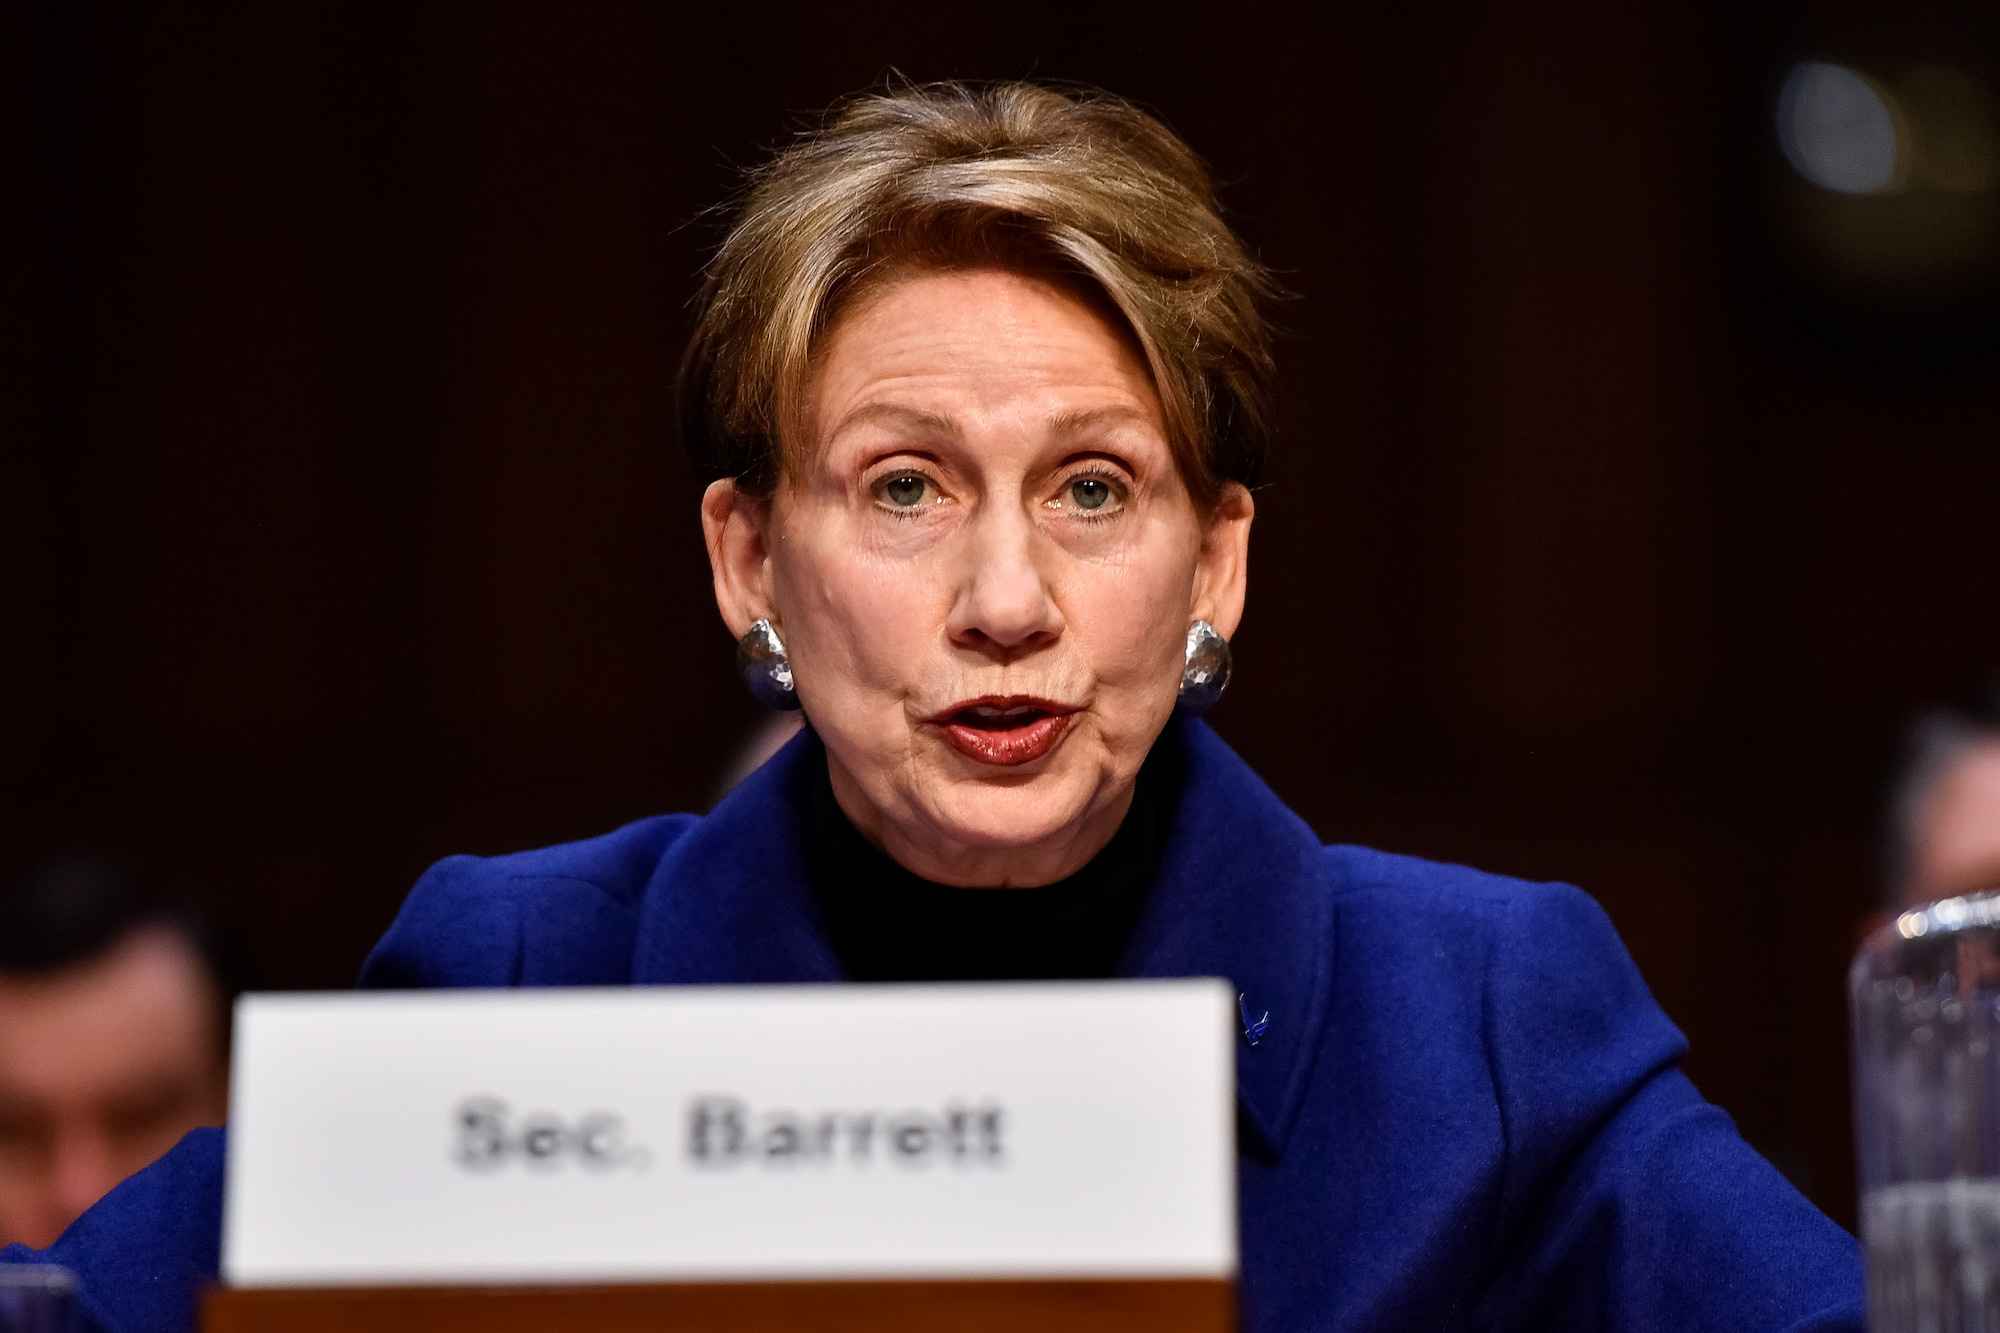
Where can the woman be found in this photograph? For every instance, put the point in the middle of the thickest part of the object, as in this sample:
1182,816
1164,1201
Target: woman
981,383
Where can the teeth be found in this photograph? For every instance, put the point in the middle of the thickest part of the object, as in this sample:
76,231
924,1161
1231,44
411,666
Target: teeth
988,715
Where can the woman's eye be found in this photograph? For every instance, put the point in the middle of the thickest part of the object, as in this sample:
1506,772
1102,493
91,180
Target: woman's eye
905,491
1089,492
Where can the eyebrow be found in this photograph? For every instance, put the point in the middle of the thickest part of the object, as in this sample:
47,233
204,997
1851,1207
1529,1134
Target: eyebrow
895,414
1062,424
1076,423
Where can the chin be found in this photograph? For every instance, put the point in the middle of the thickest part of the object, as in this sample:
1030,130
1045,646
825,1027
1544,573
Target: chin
1012,809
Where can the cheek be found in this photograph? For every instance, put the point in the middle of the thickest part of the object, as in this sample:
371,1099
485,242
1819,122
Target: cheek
1131,618
854,622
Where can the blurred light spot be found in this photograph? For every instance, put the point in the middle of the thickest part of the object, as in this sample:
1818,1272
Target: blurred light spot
1836,129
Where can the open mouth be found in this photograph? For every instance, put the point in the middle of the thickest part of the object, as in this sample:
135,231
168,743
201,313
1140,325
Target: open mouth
1005,731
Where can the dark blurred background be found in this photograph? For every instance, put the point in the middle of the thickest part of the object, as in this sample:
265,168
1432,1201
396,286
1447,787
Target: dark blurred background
1633,489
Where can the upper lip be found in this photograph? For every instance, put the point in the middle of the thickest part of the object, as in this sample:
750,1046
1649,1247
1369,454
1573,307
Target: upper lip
1003,704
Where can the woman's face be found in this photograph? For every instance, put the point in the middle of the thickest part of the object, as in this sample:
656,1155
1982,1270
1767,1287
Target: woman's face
984,572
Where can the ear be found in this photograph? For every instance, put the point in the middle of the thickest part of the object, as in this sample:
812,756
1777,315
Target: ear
1222,568
736,525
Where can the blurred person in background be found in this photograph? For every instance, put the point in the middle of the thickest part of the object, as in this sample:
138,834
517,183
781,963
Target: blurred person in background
1944,817
113,1039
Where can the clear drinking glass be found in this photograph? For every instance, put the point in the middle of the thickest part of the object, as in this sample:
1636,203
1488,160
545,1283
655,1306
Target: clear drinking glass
37,1298
1924,994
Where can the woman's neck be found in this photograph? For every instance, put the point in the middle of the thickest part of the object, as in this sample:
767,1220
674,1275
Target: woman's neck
886,924
931,853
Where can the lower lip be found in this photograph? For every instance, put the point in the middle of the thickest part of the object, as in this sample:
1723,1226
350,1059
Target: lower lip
1021,745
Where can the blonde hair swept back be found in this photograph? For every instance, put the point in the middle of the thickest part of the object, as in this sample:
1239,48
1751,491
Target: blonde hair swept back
1074,183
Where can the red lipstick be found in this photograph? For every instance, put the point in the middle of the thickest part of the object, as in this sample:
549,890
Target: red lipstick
1005,730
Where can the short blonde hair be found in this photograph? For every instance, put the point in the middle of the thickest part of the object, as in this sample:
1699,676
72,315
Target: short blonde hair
1079,184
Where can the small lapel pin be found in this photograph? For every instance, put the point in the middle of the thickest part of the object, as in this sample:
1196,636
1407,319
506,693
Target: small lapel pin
1252,1028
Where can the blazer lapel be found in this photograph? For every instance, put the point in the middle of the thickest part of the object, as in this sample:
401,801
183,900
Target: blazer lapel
1244,894
730,902
1241,894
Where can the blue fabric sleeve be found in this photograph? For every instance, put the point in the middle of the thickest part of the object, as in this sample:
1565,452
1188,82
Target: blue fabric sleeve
1631,1203
146,1249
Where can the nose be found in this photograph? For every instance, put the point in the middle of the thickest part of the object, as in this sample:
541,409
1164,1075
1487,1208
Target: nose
1004,609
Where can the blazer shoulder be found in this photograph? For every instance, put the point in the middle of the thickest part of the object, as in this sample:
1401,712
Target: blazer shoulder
1569,1029
1565,1003
1543,940
617,863
562,915
1412,884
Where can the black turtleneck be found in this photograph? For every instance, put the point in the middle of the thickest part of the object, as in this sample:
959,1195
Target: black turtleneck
886,924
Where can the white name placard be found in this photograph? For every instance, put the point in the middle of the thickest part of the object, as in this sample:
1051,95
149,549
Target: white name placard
652,1134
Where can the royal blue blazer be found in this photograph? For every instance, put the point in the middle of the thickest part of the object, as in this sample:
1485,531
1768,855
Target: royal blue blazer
1465,1111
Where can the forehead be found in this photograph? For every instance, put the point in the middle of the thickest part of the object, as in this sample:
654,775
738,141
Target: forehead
144,1002
977,343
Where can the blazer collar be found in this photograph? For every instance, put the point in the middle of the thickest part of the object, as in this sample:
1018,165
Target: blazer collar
1241,894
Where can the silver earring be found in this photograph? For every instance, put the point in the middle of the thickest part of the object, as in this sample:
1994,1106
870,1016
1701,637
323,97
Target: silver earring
1206,674
766,668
